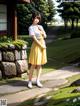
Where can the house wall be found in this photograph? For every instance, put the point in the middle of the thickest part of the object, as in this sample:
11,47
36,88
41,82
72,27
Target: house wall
3,19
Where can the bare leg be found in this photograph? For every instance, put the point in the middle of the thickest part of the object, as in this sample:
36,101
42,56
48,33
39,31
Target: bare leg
30,75
31,72
39,70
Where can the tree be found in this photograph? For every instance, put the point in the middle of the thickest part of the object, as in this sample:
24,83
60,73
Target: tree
70,11
43,8
51,10
24,17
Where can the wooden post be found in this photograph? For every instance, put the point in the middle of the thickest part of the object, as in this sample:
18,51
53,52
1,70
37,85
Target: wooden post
15,25
14,22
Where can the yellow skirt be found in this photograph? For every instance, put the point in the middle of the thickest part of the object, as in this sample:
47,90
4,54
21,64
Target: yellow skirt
37,55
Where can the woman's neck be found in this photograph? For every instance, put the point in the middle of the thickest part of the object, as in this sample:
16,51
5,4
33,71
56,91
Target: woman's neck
34,24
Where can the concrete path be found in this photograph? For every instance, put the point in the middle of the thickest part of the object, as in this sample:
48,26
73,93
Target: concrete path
17,92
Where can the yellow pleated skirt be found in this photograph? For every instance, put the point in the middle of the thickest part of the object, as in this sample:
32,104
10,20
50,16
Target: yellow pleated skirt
38,56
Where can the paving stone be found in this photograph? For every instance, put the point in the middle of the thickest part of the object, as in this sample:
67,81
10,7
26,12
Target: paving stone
54,83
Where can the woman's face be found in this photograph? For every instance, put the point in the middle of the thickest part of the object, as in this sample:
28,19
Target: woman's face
35,21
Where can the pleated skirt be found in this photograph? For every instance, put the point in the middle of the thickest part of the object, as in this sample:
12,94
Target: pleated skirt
38,56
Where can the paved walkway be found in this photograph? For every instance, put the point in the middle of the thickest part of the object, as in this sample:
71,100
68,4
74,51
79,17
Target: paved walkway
18,92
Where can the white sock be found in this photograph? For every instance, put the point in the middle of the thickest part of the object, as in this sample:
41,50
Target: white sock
30,84
39,83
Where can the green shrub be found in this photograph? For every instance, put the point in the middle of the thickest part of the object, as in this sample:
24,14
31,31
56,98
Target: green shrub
5,39
75,34
5,42
19,43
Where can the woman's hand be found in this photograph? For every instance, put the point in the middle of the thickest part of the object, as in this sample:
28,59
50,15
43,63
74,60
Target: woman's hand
42,32
43,46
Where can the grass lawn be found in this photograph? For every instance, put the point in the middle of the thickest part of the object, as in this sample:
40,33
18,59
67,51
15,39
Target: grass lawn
63,52
61,97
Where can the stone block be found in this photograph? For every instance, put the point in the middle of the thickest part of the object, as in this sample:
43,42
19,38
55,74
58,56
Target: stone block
11,47
23,55
24,47
8,68
22,66
8,56
17,55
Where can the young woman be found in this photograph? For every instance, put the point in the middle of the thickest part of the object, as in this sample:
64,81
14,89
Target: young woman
37,56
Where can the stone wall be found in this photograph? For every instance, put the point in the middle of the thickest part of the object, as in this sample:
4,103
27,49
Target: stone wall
13,61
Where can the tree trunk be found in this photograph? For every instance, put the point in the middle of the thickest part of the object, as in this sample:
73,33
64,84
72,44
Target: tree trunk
65,24
72,25
77,20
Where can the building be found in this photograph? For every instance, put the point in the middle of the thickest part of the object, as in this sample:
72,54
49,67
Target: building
8,17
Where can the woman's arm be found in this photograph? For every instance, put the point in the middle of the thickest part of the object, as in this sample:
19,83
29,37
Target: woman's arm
32,35
42,31
37,41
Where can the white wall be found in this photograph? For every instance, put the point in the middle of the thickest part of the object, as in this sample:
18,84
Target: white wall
3,17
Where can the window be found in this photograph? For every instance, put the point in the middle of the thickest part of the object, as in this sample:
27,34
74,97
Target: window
3,17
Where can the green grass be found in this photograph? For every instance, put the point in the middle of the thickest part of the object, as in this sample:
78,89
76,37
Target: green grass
59,98
63,52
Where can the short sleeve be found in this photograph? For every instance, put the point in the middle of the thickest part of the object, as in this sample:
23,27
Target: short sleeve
41,27
31,31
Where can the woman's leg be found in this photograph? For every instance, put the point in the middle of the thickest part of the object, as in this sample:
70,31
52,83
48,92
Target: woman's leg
39,70
30,75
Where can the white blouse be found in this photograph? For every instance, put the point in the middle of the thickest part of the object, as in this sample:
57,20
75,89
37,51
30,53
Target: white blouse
33,31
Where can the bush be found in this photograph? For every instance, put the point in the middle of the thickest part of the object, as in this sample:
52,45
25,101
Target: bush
5,42
19,43
5,39
75,34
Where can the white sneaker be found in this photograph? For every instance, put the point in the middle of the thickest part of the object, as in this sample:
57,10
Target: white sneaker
39,84
30,84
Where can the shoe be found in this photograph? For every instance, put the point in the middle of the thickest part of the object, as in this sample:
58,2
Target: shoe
30,84
39,84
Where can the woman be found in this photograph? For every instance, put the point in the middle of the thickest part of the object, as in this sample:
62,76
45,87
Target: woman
37,56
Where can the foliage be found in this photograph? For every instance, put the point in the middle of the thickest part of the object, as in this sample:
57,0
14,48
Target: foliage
43,8
24,12
5,42
70,11
64,97
5,38
52,10
24,17
75,34
19,43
